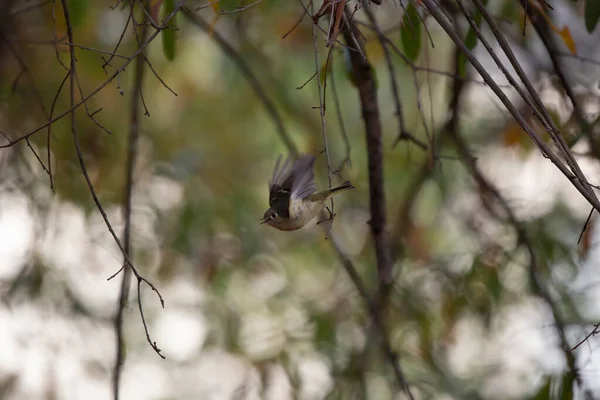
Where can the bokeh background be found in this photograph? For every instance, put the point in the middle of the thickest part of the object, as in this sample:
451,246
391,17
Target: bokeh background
254,313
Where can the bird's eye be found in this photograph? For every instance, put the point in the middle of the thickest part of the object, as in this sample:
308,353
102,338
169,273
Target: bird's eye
274,215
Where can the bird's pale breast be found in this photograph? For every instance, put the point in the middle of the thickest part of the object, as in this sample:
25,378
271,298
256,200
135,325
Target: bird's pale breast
301,213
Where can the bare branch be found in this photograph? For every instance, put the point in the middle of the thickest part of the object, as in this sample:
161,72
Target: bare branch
577,181
129,17
322,106
132,148
36,94
250,77
542,30
340,118
49,132
375,313
525,241
363,76
112,77
241,8
73,82
540,111
403,133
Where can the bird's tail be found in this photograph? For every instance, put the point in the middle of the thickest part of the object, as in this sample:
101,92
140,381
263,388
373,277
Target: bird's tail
325,194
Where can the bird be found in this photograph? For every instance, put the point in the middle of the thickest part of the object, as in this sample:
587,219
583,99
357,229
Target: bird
293,202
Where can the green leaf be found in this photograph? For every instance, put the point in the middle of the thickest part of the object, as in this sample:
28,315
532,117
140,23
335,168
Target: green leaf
592,14
375,78
324,71
509,10
470,42
410,32
169,35
77,11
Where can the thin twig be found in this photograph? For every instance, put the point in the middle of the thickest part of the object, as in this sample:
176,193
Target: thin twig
113,76
38,97
294,26
525,241
322,106
585,225
414,69
129,17
403,133
250,77
375,313
49,132
540,111
594,332
541,28
340,118
579,182
73,83
123,57
241,8
134,125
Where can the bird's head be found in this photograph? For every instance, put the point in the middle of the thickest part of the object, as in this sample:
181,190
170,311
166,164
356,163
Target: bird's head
270,217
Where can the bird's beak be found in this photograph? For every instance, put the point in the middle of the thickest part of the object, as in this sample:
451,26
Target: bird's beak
262,221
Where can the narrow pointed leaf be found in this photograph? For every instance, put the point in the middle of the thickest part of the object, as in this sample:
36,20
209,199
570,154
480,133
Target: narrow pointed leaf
470,42
410,32
592,14
169,35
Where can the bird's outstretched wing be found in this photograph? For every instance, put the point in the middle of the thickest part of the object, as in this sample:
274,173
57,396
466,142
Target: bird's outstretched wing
303,181
295,180
280,185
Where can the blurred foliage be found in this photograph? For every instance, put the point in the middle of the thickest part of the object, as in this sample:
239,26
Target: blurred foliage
411,32
204,160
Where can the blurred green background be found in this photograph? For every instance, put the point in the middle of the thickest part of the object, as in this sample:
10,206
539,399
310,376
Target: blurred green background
251,312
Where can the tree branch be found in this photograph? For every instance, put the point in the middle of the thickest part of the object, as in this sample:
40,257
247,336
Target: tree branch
375,313
524,240
128,265
579,182
134,130
362,72
250,77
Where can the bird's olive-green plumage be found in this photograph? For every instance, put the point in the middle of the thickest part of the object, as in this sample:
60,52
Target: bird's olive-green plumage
292,198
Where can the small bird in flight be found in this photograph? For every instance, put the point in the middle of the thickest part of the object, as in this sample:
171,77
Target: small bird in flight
293,202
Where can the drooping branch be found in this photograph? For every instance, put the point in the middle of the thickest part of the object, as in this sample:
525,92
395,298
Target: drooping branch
403,133
132,149
577,180
124,248
98,89
250,77
524,240
541,27
535,104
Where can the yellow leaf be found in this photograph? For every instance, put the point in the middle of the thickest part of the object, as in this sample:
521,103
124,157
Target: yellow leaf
216,6
565,34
